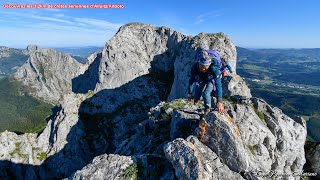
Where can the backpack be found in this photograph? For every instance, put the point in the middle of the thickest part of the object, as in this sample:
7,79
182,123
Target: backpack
213,53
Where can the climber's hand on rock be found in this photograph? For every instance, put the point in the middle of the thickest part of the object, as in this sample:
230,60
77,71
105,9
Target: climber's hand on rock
220,108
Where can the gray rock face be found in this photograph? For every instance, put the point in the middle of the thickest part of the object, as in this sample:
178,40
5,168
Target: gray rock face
136,50
234,86
114,166
193,160
48,73
247,142
106,167
244,140
19,149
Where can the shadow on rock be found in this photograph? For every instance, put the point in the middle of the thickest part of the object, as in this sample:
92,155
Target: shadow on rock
108,122
88,80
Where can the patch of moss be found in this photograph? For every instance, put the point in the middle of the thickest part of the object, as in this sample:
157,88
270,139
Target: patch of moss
306,118
176,104
131,172
35,148
18,144
17,151
251,148
89,94
233,103
42,156
260,114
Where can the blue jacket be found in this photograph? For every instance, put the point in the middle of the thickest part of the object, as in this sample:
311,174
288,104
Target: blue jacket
213,73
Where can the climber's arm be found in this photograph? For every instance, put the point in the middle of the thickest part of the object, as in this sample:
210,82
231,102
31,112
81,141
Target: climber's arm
218,85
229,67
192,78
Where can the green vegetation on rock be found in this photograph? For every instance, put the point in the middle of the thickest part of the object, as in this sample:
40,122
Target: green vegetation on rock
42,156
259,113
175,104
251,149
17,151
89,94
131,172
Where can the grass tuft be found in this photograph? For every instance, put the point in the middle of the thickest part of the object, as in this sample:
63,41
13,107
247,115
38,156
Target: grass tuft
131,172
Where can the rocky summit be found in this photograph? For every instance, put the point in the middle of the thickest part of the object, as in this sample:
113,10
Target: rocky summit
123,115
47,73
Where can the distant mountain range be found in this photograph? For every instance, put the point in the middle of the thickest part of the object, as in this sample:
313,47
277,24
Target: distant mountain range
12,58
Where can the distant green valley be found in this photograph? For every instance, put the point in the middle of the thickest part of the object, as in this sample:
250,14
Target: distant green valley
20,112
286,78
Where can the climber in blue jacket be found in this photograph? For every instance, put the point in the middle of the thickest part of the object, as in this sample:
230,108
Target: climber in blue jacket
205,77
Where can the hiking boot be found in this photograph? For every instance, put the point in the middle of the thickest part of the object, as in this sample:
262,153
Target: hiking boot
206,111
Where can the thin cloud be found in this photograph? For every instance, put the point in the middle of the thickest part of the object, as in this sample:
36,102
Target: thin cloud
98,23
61,18
65,28
59,15
209,15
41,28
51,19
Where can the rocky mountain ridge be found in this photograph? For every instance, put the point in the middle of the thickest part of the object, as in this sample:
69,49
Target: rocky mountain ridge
126,117
47,73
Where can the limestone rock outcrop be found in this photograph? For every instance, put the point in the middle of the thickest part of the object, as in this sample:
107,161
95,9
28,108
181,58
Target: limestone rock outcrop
47,74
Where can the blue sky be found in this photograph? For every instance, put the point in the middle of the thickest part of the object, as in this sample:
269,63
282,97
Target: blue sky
249,23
